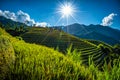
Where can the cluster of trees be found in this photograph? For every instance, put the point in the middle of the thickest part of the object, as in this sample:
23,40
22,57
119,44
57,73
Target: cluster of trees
14,30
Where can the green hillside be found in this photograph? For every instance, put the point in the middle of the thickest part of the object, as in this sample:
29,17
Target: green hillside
24,61
58,39
54,38
33,62
61,41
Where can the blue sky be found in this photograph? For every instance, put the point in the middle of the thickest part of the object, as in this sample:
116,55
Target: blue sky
88,11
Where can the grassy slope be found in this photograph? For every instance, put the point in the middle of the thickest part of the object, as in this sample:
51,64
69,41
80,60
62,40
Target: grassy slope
7,55
39,62
36,62
54,38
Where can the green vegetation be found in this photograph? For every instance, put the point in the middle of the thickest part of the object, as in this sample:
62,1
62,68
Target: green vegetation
14,29
97,42
27,61
38,62
54,38
33,62
60,40
7,55
116,49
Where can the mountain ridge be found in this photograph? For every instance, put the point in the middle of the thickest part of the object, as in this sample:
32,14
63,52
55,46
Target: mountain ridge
84,31
11,23
108,35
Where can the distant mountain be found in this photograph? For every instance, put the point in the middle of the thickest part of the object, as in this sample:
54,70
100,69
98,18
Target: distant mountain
98,36
9,22
96,32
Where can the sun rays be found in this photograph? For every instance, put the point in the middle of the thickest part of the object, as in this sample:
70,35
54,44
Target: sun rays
66,10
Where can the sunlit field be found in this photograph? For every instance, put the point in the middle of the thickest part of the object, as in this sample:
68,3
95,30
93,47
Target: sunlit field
59,40
26,61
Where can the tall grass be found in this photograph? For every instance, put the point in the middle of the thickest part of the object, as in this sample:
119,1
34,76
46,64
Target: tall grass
108,71
7,56
36,62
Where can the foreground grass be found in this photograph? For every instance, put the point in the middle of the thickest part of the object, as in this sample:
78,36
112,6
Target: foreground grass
38,62
35,62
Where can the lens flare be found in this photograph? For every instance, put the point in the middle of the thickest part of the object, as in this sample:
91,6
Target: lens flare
66,9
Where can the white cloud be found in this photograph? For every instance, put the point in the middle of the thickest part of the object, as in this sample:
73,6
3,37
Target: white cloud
42,24
7,14
22,17
108,20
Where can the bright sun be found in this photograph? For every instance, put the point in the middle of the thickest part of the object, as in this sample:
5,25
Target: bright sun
66,9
